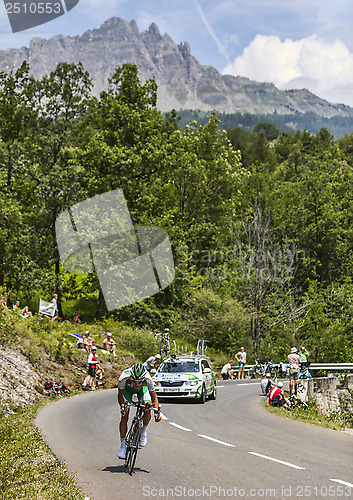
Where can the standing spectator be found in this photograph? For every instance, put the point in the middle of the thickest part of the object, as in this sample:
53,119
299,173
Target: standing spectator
150,362
109,344
56,312
303,358
227,371
241,358
3,302
92,365
294,362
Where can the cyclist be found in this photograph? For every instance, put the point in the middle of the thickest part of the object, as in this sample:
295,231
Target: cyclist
136,380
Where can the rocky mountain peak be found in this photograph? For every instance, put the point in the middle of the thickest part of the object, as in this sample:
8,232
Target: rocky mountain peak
182,82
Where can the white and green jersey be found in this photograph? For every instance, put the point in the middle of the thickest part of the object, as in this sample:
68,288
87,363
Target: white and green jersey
125,382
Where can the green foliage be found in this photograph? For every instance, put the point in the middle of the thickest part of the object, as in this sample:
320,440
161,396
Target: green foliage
221,321
59,146
269,129
28,468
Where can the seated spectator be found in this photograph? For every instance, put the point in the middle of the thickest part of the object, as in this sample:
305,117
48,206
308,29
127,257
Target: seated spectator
79,344
109,344
87,341
76,318
266,384
227,371
305,373
276,396
150,362
24,312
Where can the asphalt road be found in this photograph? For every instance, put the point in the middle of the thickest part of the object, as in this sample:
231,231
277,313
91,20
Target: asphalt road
228,448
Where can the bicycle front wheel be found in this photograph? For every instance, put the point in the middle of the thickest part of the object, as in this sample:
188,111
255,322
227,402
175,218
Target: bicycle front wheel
134,448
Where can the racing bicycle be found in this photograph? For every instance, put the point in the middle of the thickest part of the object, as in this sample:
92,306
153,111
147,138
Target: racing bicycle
164,345
134,434
297,403
262,369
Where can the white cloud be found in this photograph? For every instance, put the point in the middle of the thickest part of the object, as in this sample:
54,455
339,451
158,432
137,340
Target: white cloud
326,69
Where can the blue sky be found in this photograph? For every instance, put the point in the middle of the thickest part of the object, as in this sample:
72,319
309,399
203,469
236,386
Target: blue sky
291,43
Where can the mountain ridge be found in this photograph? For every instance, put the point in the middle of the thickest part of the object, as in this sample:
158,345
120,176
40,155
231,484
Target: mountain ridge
183,83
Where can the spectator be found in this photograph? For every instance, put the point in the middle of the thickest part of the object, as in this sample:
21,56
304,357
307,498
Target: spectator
303,358
276,396
3,302
87,341
266,384
241,358
56,312
294,362
92,365
24,311
76,318
79,344
227,371
150,362
109,344
305,373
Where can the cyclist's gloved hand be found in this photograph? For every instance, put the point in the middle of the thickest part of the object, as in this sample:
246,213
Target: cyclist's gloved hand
157,414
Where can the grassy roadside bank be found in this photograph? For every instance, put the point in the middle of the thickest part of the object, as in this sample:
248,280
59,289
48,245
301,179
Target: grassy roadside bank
335,421
28,467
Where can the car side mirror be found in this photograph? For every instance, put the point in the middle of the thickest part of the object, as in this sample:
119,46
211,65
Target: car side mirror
207,370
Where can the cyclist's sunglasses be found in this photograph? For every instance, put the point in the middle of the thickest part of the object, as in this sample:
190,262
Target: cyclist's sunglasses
137,381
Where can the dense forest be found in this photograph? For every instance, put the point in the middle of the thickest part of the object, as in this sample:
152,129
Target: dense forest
338,126
261,227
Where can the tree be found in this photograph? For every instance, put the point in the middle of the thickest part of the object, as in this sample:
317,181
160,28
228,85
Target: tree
264,272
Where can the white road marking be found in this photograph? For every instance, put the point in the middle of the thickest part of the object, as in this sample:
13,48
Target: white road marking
218,386
164,417
247,383
180,427
342,482
276,460
216,440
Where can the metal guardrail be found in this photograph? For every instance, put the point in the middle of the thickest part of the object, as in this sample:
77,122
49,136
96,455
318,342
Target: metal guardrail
331,366
313,366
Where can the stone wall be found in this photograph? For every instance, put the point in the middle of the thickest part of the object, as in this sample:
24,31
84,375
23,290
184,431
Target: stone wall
329,393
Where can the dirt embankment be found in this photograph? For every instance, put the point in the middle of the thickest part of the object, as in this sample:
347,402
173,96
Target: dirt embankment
22,381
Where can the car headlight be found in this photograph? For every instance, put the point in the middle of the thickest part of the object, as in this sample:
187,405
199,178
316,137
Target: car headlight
193,382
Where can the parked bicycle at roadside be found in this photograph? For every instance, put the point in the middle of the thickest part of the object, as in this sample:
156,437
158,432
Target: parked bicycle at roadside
261,369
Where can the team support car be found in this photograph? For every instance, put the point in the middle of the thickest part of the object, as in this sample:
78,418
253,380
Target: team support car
185,376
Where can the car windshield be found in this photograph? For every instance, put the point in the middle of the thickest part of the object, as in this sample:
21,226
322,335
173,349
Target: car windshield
178,367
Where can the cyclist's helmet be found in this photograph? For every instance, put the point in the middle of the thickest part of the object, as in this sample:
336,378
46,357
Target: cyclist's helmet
280,384
138,372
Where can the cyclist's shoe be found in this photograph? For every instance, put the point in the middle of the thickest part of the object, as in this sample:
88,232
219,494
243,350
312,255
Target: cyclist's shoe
143,440
122,451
